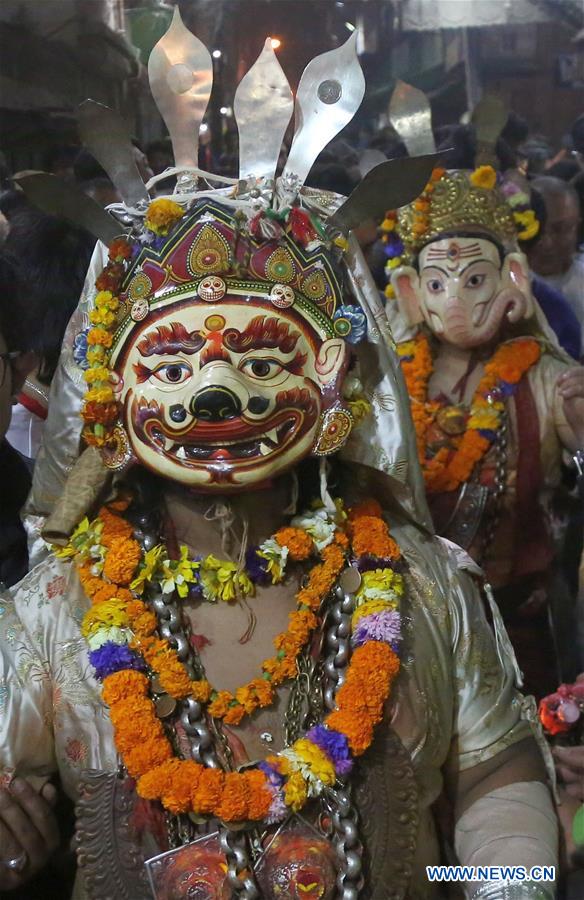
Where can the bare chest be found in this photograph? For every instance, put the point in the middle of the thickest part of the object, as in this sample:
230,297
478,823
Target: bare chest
232,641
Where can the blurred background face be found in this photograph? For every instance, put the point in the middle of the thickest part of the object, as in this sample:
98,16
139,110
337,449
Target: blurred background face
553,252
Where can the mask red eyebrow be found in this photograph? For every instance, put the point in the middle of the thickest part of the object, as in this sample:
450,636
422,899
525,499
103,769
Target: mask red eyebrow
173,338
262,333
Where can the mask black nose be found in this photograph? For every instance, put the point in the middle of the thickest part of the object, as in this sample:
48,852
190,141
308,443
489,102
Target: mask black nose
216,404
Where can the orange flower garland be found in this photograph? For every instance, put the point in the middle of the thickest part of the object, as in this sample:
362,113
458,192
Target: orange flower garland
448,469
186,786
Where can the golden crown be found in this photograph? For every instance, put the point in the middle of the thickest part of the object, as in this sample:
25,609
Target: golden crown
455,200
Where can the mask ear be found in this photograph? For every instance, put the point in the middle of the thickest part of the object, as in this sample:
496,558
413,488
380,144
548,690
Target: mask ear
406,284
516,274
333,356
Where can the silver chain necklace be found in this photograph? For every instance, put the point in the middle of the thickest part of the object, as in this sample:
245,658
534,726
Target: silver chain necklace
313,689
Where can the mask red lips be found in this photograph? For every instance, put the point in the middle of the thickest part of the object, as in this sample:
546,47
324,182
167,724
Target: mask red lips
236,440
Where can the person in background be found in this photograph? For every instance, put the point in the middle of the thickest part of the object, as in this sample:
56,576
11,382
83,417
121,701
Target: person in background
159,155
60,161
51,258
557,310
554,257
564,169
16,360
536,153
457,146
93,179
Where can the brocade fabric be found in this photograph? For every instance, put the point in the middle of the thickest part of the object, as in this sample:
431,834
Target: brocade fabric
455,704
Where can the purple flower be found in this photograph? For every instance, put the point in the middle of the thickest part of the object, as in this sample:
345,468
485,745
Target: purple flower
394,247
159,242
278,809
380,626
487,433
257,567
370,563
110,658
195,587
506,388
335,745
274,777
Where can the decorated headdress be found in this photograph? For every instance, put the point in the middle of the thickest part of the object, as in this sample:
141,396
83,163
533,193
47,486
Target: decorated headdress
480,200
260,241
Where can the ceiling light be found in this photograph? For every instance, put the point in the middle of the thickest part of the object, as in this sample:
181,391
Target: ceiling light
216,54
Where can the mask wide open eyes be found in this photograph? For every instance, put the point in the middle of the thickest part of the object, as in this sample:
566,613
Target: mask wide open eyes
173,373
434,285
261,368
476,280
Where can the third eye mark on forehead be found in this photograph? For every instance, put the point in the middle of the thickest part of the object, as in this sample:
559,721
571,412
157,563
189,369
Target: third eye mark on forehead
441,253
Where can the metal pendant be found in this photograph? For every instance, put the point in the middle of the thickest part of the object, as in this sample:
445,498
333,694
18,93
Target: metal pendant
298,861
195,870
115,832
468,514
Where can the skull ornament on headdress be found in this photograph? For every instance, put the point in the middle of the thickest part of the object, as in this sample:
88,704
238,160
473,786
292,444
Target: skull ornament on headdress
225,318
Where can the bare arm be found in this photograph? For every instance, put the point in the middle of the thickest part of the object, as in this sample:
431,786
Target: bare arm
520,762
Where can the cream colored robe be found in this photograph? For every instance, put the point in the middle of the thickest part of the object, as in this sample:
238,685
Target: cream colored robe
455,703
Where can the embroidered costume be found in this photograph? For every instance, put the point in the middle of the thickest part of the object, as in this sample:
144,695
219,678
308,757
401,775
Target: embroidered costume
234,341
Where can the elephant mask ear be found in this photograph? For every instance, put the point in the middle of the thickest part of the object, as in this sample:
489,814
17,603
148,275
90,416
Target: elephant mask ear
516,273
406,284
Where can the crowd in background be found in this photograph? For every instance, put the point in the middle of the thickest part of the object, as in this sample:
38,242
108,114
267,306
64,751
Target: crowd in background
43,261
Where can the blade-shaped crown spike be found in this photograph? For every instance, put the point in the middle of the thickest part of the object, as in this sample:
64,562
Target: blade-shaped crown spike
489,117
57,197
389,185
329,94
106,136
263,107
180,70
411,116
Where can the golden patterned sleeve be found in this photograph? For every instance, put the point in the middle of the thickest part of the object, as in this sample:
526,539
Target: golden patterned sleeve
488,708
26,732
54,717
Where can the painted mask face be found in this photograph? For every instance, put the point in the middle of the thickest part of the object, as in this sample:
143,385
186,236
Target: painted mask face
465,292
222,395
459,279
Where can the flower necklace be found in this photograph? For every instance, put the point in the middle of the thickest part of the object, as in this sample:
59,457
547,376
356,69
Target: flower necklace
447,469
120,632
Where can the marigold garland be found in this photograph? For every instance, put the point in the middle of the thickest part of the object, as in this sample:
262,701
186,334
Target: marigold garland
447,469
104,548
